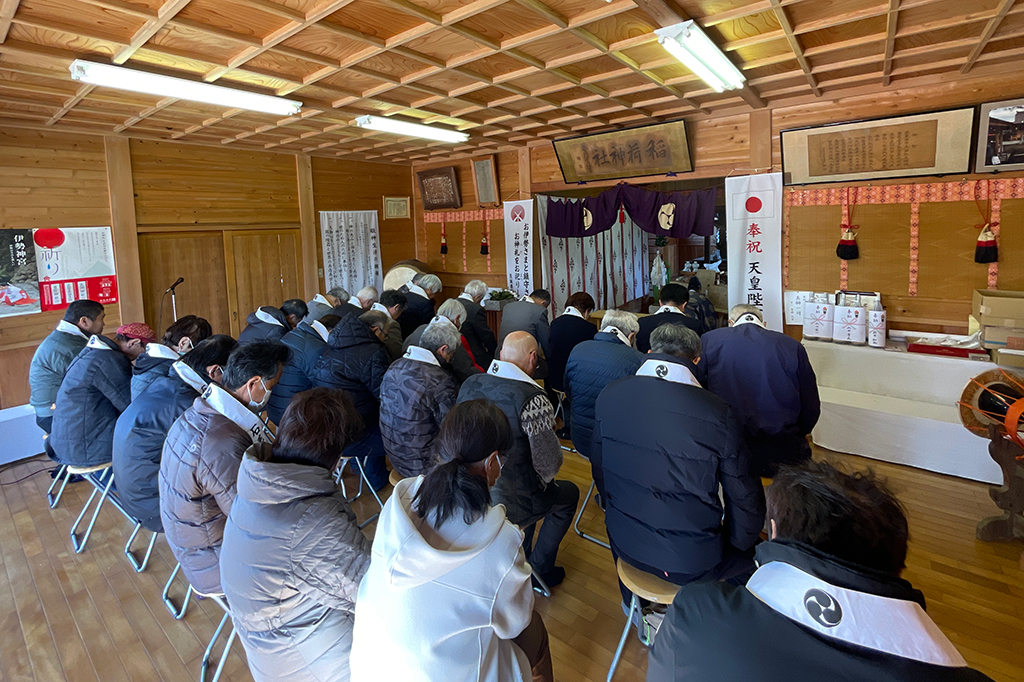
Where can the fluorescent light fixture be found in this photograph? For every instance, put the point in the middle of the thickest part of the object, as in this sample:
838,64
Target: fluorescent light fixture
390,125
690,45
120,78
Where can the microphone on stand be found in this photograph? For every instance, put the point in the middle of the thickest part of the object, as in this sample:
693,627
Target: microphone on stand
170,289
174,306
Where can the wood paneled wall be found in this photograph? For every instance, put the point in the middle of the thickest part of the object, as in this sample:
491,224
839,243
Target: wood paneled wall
46,180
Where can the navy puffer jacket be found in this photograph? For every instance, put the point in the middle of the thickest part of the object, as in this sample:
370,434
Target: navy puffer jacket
94,393
139,440
354,361
593,365
260,330
148,368
305,344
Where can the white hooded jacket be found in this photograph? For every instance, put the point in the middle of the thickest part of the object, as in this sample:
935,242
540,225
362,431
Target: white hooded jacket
442,604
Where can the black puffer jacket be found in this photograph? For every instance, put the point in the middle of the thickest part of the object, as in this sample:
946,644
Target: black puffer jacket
139,440
415,397
462,365
148,368
567,332
94,393
354,361
305,344
259,330
418,310
664,448
592,366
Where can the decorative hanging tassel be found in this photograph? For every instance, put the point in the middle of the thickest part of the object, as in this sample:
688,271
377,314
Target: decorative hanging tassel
483,245
444,240
986,251
847,249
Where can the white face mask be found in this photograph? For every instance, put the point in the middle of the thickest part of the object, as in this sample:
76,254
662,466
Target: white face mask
257,407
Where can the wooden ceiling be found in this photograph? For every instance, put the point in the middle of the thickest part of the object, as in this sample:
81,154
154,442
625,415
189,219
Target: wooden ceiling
508,72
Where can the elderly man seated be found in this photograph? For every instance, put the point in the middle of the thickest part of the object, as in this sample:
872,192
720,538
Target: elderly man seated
527,485
419,307
415,396
463,364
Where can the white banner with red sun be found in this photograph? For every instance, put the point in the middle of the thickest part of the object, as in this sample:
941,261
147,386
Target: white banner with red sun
754,234
519,246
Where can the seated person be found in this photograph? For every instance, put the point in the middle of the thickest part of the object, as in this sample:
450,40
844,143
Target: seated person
592,366
463,365
416,394
673,303
50,362
199,462
826,603
664,446
392,303
94,393
181,337
569,329
529,315
344,306
419,307
700,308
355,361
306,343
769,383
527,486
293,554
447,595
367,296
270,324
475,328
142,428
320,305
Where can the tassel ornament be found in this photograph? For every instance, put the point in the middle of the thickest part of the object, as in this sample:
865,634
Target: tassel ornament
986,251
847,249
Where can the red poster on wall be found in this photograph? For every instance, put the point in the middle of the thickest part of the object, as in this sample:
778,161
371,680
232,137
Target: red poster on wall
75,263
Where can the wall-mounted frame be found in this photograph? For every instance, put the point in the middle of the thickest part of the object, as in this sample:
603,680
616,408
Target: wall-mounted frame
396,208
485,180
439,188
1000,145
654,149
935,143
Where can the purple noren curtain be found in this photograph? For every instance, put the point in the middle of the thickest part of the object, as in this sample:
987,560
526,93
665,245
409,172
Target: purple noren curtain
669,214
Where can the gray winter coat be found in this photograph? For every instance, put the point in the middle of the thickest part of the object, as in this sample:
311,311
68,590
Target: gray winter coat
49,365
292,560
415,397
198,473
462,365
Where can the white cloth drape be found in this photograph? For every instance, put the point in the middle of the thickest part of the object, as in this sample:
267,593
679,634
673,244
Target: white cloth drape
351,244
611,266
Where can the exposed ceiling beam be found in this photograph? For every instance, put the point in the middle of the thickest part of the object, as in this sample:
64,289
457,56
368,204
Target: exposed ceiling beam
986,35
890,40
7,10
794,45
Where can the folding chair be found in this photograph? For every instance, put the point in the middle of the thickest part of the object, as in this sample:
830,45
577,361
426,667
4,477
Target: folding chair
560,410
642,585
102,478
177,612
362,480
139,566
204,665
579,515
62,473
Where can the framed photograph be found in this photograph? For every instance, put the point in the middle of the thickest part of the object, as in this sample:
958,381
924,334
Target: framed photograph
916,144
485,181
396,207
655,149
1000,145
439,188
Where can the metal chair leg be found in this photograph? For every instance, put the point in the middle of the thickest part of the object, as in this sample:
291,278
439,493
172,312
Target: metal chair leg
136,564
362,478
79,544
541,587
178,613
204,666
633,606
62,475
579,515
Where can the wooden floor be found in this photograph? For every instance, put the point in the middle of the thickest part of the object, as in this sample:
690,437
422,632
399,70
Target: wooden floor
89,617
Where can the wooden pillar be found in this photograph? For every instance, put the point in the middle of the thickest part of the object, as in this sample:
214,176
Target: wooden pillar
123,228
307,226
525,183
760,139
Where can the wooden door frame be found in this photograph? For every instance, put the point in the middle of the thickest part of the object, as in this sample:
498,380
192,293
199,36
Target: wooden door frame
229,264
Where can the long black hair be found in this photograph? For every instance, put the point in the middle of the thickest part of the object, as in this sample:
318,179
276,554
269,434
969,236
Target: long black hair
469,434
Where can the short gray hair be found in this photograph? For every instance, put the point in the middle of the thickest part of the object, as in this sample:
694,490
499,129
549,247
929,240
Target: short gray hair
368,293
677,340
738,311
439,334
453,309
339,293
477,287
429,283
625,322
375,318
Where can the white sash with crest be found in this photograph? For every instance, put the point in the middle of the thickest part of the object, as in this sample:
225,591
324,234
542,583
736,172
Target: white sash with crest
189,376
228,406
669,371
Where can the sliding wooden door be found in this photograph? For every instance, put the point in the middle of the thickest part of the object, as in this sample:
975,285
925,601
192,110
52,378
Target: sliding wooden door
264,267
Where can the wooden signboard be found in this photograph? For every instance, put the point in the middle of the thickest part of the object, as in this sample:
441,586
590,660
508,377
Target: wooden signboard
648,150
485,181
439,188
921,144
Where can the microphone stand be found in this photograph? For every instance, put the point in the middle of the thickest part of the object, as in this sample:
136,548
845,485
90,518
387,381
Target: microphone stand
174,303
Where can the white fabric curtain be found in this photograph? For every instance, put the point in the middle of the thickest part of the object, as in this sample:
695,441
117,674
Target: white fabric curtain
611,266
351,244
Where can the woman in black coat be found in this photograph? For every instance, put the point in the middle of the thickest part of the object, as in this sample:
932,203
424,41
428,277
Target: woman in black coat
569,329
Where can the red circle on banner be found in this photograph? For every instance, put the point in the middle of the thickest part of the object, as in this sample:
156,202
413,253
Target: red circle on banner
753,205
49,238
